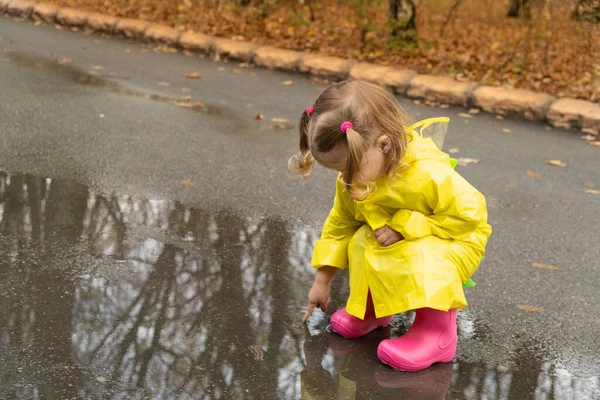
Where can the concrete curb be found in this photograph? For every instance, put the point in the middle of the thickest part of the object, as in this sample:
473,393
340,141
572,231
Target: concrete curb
560,112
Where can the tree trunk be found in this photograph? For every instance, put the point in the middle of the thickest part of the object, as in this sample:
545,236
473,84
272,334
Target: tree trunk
403,16
516,6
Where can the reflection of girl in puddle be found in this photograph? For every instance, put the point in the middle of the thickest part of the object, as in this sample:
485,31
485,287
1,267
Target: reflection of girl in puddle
359,375
411,230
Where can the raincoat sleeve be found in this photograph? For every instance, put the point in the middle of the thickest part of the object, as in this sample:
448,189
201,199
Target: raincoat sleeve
340,226
457,207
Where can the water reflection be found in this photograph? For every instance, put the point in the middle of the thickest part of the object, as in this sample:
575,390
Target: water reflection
120,297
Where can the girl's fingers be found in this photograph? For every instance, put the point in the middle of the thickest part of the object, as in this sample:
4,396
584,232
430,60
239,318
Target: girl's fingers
383,238
311,308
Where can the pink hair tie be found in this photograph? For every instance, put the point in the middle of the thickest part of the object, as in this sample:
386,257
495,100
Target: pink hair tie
345,126
310,110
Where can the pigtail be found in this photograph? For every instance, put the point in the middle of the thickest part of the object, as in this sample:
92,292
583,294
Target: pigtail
302,163
357,146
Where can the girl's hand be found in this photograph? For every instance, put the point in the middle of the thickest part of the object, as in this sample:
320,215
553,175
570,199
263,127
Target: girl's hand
387,236
317,297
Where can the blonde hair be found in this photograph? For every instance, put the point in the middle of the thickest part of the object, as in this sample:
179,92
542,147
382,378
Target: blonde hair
373,112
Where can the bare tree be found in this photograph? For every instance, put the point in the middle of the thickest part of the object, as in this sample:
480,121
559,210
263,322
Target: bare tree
519,7
403,19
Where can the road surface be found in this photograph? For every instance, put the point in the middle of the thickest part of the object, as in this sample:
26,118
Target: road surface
149,249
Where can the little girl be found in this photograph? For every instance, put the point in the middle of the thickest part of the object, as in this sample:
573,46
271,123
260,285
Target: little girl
411,230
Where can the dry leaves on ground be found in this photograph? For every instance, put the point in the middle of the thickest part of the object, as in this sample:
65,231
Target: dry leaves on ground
193,75
466,161
65,61
187,182
506,130
527,307
556,163
592,191
542,265
258,117
465,115
164,84
534,174
288,83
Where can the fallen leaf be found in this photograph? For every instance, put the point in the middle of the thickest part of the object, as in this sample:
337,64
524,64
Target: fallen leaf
200,195
556,163
224,102
127,50
526,307
542,265
249,105
101,379
589,184
506,130
37,23
198,104
466,161
193,75
51,54
279,120
566,201
187,182
453,151
417,102
534,174
188,53
499,117
288,83
474,111
164,84
595,144
465,115
588,138
236,71
444,106
592,191
101,115
259,116
65,61
185,90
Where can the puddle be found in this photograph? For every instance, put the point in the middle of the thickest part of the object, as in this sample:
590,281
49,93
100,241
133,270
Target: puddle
122,297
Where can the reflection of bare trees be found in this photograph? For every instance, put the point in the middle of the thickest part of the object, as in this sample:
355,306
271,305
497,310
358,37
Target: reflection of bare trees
114,296
180,297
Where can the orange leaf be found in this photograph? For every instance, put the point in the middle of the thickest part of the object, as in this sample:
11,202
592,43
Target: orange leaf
526,307
556,163
193,75
542,265
187,182
534,174
258,117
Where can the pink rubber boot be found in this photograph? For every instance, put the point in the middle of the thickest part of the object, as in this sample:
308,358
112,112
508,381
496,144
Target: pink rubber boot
432,338
352,327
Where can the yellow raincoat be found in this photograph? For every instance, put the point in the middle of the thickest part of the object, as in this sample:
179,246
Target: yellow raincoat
441,216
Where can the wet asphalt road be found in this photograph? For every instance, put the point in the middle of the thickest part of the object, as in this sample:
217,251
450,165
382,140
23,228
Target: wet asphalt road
119,281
